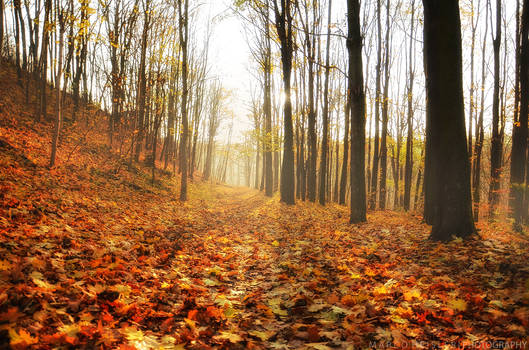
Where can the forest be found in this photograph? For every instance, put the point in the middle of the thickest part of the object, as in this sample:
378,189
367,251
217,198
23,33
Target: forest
264,174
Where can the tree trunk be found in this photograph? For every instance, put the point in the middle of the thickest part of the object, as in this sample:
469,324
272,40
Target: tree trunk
451,199
183,33
519,142
284,30
343,177
385,111
267,108
1,28
480,133
408,172
142,84
325,136
58,102
43,66
358,107
496,144
376,155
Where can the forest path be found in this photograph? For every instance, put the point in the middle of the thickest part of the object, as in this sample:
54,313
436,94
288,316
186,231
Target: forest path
302,277
272,277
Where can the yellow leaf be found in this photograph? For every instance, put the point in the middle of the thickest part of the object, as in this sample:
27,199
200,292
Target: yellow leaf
457,304
398,319
44,285
275,243
70,330
231,337
264,336
133,334
381,290
412,293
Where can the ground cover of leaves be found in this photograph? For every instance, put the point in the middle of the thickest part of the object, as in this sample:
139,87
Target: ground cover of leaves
94,255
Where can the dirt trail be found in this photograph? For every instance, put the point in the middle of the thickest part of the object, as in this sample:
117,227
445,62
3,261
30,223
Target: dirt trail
303,278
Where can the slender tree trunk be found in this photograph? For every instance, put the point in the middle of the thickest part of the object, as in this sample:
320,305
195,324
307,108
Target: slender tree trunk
519,142
376,154
1,28
58,102
267,106
336,196
480,133
142,84
310,43
43,66
417,189
183,32
284,30
343,177
496,144
385,111
409,138
325,137
358,113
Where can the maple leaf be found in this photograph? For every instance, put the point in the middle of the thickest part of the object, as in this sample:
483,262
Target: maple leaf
421,317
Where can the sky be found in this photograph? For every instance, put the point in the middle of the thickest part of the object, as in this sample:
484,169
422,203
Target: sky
231,63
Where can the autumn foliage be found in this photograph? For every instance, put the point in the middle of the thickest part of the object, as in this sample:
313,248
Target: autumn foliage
94,255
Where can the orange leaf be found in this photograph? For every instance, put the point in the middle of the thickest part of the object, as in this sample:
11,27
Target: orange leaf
192,315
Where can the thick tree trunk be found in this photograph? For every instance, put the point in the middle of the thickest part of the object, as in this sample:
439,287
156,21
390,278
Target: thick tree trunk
452,206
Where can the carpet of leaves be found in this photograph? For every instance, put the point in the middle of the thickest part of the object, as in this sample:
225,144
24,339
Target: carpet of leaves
94,255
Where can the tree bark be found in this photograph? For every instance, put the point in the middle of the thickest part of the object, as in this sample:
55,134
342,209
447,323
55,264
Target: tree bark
358,107
408,171
58,102
325,136
520,132
451,199
385,111
376,141
183,33
496,143
142,83
284,30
